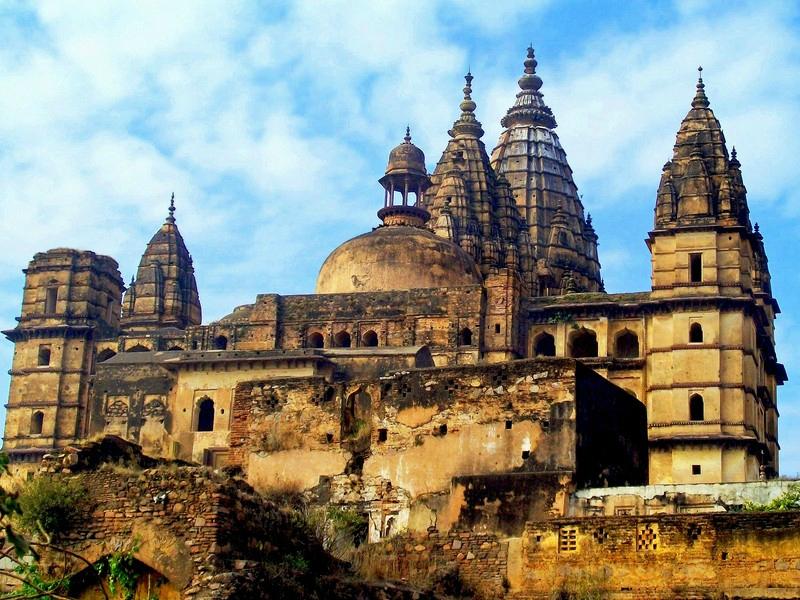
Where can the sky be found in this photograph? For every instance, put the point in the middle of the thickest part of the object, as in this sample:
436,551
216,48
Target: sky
271,122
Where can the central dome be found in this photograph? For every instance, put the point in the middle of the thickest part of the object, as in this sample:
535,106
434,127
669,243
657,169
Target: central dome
396,258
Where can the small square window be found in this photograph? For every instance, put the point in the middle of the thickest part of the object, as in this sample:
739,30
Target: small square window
509,424
497,327
383,435
696,470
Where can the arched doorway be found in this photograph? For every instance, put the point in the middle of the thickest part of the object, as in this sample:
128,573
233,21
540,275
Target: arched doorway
544,345
583,344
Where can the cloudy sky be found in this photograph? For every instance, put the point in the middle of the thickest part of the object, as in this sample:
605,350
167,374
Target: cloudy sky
271,122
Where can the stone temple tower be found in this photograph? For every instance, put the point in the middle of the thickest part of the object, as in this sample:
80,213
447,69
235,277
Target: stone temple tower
71,301
529,155
164,292
474,207
712,371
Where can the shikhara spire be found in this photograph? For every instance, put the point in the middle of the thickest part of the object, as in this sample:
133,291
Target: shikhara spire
164,292
700,184
530,156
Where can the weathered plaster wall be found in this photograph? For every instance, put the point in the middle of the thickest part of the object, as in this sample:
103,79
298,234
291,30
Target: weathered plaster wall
743,555
445,446
674,498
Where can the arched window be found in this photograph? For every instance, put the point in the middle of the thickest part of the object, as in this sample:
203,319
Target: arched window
342,339
695,333
465,337
584,344
44,355
627,345
696,408
220,342
105,355
138,348
370,338
544,345
37,421
315,340
205,415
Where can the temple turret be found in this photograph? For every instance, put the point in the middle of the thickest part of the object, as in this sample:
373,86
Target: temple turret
710,267
475,208
164,292
530,156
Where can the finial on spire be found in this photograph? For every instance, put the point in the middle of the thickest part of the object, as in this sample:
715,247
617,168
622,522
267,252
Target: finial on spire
700,100
468,104
171,217
530,61
756,227
589,219
407,139
734,162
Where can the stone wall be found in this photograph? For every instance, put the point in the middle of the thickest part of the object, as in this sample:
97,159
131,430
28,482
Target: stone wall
742,555
480,560
191,530
432,317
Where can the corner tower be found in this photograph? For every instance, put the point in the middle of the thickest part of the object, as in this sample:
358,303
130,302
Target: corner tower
164,292
530,156
711,367
70,301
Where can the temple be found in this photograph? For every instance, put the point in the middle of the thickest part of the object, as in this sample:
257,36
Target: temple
460,365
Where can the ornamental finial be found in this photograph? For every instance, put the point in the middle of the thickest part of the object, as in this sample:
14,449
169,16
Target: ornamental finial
700,99
407,139
171,217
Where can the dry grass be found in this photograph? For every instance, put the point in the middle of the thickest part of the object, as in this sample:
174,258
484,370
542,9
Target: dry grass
278,438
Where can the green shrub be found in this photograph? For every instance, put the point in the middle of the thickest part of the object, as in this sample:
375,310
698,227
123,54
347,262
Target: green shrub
51,504
789,500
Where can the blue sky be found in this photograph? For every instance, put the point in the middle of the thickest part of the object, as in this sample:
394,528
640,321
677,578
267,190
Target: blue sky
272,122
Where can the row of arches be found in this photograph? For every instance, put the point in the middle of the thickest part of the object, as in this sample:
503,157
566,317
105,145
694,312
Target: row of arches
583,344
343,339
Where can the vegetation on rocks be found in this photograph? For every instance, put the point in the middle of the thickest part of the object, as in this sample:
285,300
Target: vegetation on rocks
50,504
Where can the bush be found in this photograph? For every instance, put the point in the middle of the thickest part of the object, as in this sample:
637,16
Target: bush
51,504
340,529
789,500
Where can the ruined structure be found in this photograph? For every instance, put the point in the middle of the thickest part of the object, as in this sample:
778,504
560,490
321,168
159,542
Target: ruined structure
459,366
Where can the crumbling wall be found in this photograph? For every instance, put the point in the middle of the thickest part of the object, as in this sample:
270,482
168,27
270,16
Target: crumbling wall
478,560
395,447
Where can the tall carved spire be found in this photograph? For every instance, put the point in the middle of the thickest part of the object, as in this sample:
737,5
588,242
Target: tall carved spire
470,205
700,184
164,292
530,156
